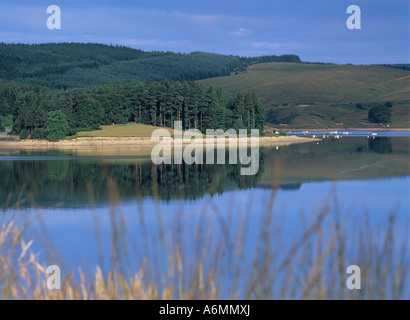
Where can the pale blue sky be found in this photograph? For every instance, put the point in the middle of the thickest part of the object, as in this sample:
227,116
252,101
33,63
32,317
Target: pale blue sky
314,29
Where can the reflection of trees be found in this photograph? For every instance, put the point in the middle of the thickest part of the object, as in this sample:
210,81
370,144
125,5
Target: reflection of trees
380,145
56,170
291,187
66,180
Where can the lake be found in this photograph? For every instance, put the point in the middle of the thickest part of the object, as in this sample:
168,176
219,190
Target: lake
116,210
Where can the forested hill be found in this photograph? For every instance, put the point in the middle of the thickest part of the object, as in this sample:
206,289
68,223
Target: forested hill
66,65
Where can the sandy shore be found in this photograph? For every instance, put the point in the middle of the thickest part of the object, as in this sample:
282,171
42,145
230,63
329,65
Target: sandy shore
128,143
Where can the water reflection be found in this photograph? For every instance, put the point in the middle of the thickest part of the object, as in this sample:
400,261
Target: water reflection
53,180
55,177
381,145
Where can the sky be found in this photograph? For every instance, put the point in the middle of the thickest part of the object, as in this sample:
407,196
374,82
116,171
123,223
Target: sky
316,30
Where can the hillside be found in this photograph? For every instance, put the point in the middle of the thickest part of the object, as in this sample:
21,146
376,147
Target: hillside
278,83
302,95
66,65
323,95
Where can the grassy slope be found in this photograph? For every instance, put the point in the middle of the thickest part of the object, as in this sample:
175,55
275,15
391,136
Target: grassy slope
330,91
342,116
123,130
277,83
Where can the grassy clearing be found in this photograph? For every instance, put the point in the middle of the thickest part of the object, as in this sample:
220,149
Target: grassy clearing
207,256
123,130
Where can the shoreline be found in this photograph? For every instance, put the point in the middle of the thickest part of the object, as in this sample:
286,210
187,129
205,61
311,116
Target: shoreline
342,129
103,143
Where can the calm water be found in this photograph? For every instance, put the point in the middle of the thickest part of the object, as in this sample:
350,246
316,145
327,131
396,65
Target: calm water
359,175
347,133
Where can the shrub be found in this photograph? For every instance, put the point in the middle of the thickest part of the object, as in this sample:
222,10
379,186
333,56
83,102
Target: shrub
272,117
38,133
23,134
6,121
282,134
380,114
388,104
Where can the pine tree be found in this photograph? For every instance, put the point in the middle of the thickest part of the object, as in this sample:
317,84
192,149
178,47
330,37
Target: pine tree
57,126
87,113
259,113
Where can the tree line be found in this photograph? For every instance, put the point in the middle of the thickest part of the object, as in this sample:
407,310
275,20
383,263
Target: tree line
70,65
39,112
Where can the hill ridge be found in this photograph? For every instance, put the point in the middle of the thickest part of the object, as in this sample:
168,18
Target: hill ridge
64,65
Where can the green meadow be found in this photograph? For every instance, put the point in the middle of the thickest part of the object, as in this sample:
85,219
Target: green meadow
323,95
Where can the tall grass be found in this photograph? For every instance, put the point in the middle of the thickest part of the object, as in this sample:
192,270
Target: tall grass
215,255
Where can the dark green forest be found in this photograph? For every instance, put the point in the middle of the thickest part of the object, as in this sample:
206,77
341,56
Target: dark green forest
70,65
55,113
54,90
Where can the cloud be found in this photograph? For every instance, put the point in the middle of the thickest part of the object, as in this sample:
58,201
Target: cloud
277,45
265,45
212,18
159,43
198,18
240,32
